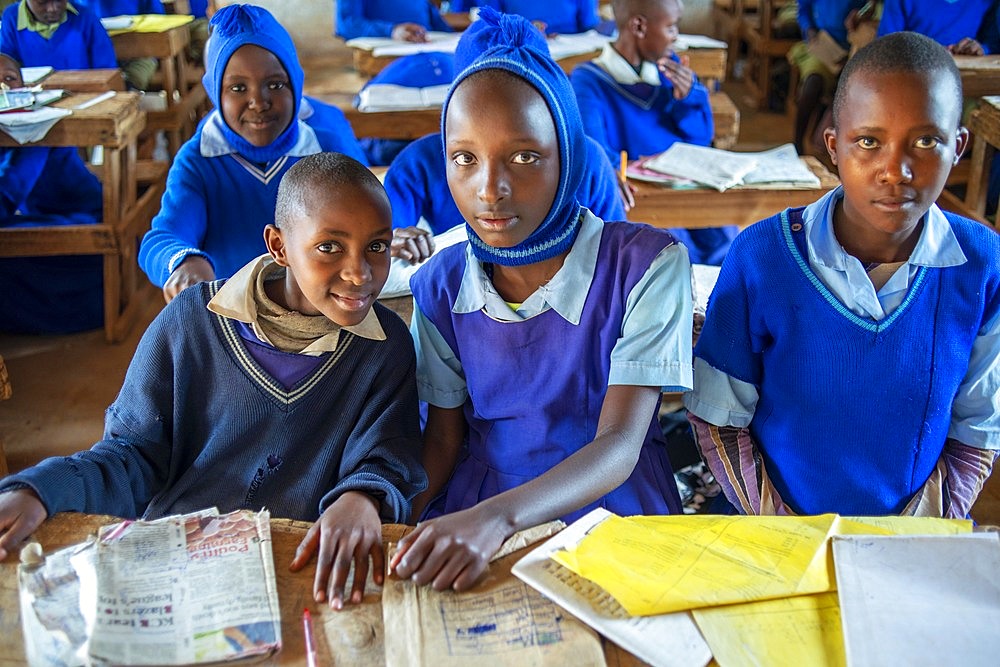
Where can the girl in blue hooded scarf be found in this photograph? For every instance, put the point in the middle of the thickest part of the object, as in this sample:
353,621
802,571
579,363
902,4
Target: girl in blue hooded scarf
222,186
543,343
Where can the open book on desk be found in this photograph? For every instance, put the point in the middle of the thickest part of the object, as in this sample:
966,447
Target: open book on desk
391,97
683,163
190,589
444,42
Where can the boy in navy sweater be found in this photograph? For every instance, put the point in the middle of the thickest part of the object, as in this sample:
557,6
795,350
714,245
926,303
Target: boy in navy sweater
849,359
56,34
285,387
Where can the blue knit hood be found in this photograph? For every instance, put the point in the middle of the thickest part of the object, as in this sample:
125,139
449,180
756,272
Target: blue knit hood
511,43
234,26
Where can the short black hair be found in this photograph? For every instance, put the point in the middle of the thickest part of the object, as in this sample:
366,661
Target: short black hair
903,52
322,173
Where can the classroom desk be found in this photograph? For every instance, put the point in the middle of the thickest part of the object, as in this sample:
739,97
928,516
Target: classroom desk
184,93
417,123
353,636
704,207
980,75
85,80
114,124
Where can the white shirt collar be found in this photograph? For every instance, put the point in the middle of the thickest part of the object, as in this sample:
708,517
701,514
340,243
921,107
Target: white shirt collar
214,144
622,71
566,293
235,300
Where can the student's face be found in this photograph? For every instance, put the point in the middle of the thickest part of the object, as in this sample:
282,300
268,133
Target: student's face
10,73
256,98
47,11
502,155
894,145
337,255
656,39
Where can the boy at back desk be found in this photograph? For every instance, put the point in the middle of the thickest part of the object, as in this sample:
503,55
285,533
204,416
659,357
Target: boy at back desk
406,20
285,387
849,360
638,97
57,34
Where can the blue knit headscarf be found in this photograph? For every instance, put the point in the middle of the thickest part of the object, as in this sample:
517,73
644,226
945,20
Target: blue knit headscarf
234,26
511,43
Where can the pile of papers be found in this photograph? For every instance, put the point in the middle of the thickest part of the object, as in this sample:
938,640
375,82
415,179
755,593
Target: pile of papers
187,589
678,590
24,116
687,165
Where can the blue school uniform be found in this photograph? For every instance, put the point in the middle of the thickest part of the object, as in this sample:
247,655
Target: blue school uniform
527,409
104,8
44,187
828,15
418,70
637,113
377,18
560,16
417,185
947,22
922,349
81,42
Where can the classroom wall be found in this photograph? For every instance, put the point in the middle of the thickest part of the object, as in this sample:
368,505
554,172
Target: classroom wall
311,21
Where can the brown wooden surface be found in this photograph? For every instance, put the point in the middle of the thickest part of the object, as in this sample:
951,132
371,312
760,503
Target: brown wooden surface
984,123
131,197
980,75
85,80
726,120
353,636
703,207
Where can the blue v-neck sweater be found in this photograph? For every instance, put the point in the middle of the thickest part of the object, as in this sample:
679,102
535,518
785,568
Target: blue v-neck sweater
853,413
199,423
79,43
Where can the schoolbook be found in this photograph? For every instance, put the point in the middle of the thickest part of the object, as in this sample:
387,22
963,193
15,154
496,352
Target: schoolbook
189,589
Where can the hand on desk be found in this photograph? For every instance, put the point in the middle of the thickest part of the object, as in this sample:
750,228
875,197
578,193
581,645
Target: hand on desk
451,551
191,271
409,32
21,512
349,530
967,47
678,74
412,244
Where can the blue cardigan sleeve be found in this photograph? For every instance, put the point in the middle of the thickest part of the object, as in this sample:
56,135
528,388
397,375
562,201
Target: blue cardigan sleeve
406,183
893,18
351,21
590,98
586,15
693,116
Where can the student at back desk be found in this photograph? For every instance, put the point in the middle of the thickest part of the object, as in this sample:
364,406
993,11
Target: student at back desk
543,342
638,97
407,20
57,34
955,25
42,186
849,360
222,184
554,16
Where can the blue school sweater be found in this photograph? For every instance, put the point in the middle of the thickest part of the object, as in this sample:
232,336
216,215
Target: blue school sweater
105,8
827,15
198,423
945,21
559,16
417,185
42,187
217,206
79,43
377,18
853,413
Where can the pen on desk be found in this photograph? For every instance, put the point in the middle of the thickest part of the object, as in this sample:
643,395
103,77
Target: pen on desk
624,165
312,660
100,98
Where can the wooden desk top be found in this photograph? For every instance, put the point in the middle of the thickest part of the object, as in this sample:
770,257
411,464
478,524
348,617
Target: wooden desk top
165,44
353,636
703,207
114,123
980,75
85,80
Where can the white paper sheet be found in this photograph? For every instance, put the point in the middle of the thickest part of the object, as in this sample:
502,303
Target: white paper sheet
386,46
709,166
685,42
31,75
920,600
669,640
390,97
26,126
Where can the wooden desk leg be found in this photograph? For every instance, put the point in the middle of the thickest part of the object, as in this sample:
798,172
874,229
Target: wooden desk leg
979,176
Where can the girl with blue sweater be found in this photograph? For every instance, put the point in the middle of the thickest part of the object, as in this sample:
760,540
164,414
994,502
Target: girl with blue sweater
544,341
407,20
56,34
849,361
222,184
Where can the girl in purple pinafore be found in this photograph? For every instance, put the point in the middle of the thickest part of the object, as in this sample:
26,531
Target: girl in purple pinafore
544,342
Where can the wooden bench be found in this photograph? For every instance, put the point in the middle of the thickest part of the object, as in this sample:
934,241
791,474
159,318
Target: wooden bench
756,30
131,189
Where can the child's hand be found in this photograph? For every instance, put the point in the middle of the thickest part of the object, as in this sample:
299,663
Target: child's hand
627,192
409,32
967,47
191,271
678,74
451,551
412,244
349,530
21,512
